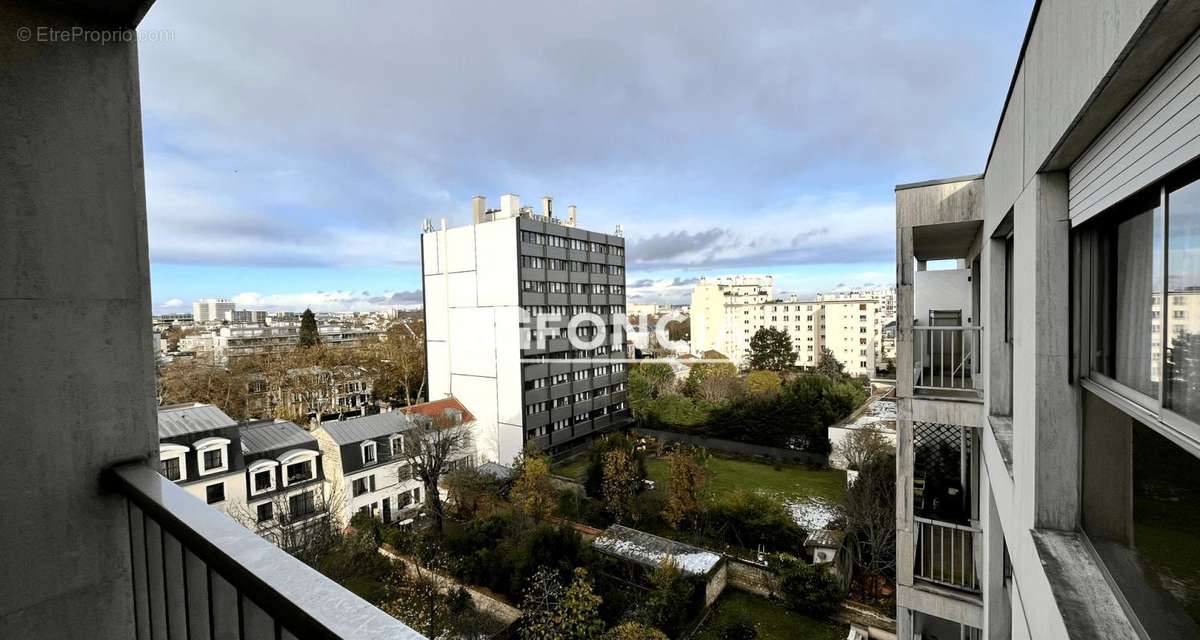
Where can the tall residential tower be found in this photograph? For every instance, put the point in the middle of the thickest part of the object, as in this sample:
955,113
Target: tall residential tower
488,286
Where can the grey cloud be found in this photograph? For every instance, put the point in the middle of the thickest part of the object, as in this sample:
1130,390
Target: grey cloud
664,106
398,298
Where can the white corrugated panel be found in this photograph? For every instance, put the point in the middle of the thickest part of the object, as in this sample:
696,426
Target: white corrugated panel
1156,133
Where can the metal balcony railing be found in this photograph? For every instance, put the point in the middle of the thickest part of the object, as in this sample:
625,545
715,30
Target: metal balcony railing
945,357
196,573
945,553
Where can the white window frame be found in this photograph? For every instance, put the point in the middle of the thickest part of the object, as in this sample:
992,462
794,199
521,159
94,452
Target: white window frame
374,447
209,444
392,444
169,451
294,456
257,467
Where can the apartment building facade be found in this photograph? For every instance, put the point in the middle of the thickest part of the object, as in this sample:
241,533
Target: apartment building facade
365,460
501,295
212,309
200,449
285,482
1049,440
727,311
265,474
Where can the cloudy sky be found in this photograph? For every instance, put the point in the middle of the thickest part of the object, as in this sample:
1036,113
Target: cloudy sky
293,149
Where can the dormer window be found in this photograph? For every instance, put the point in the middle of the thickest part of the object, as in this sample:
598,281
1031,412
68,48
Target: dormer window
299,465
170,469
172,462
368,452
397,445
213,455
299,471
262,476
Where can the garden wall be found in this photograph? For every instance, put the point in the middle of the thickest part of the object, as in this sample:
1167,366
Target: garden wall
740,448
484,602
751,578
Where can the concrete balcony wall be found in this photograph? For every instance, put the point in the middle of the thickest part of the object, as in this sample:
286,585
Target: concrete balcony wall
74,307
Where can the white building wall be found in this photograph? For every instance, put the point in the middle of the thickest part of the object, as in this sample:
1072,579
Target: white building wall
472,329
943,290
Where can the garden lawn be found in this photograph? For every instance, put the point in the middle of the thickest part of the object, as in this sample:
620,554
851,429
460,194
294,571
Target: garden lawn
770,619
575,469
787,481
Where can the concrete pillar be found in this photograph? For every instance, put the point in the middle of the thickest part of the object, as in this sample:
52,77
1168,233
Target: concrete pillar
997,609
905,536
77,392
904,312
1045,421
904,624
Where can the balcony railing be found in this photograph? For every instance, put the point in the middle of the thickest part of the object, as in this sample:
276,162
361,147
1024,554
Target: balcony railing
197,573
945,357
945,554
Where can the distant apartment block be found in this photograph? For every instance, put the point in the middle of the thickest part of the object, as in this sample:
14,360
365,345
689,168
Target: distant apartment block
212,309
315,393
226,344
245,316
1048,418
727,311
480,280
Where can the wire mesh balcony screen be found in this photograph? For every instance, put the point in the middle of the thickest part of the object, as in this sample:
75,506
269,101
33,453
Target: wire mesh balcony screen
943,454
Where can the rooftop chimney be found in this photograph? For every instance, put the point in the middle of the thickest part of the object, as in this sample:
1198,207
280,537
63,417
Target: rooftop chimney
510,206
570,215
548,206
479,209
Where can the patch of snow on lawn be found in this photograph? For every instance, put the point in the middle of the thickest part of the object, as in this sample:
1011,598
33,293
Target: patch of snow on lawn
813,514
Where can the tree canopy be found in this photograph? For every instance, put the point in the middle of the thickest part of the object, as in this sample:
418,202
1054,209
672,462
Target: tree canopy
771,349
309,336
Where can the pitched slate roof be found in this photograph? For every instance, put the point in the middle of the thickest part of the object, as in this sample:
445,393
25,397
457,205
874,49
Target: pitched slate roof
273,435
366,427
182,419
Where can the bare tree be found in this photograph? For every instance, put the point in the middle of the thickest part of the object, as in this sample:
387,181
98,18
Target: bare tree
863,446
302,528
397,363
871,522
432,448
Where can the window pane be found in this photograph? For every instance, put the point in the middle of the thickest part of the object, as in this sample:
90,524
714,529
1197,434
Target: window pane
1133,271
1141,511
1182,309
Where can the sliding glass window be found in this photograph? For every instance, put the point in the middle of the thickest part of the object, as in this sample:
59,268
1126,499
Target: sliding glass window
1182,310
1128,284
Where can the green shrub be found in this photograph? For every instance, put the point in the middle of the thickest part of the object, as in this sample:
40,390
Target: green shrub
809,589
672,602
748,519
594,476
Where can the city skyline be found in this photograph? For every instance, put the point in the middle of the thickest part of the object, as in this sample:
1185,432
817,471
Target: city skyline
326,194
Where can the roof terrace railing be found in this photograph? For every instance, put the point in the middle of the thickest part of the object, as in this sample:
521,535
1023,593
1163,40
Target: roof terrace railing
197,573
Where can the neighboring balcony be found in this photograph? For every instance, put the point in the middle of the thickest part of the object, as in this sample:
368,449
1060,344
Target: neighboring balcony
947,361
199,574
946,536
945,554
